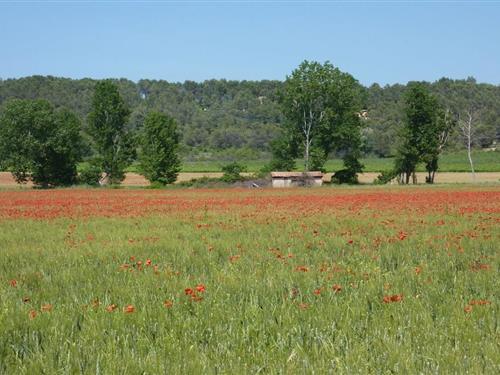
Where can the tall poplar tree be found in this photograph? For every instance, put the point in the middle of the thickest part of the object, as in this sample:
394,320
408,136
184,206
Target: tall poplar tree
106,125
158,154
423,134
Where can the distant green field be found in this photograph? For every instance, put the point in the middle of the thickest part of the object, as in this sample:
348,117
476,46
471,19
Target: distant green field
484,161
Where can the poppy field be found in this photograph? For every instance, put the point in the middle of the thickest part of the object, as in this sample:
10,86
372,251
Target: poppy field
328,280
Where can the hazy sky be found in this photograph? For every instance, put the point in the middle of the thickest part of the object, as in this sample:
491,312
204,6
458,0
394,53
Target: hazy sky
376,41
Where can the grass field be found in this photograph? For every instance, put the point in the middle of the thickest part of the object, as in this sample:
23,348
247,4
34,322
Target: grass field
485,161
365,280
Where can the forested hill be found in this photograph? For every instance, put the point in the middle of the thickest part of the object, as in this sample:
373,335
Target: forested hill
219,115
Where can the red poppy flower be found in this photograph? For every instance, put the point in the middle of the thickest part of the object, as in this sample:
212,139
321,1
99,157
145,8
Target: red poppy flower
397,298
129,309
479,302
200,288
13,283
111,307
301,269
148,262
393,298
33,314
468,309
336,288
188,291
317,291
168,304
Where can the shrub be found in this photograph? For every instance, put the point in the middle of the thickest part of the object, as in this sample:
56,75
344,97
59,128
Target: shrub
90,175
385,177
232,172
345,176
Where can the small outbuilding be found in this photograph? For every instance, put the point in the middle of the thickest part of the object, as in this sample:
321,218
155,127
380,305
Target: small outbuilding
294,179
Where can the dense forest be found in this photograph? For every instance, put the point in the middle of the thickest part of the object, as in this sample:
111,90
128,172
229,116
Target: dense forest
220,118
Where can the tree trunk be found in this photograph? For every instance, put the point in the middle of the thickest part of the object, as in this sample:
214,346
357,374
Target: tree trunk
468,134
306,154
470,160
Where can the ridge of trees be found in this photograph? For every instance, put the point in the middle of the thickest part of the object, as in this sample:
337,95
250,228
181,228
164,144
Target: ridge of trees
218,115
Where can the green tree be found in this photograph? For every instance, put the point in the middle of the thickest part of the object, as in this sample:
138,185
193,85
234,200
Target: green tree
423,135
320,105
107,127
39,143
232,172
158,155
284,152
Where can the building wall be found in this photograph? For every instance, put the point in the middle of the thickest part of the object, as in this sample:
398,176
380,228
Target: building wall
288,182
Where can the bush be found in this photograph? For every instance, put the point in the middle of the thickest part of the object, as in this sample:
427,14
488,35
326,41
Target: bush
232,172
90,175
385,177
345,176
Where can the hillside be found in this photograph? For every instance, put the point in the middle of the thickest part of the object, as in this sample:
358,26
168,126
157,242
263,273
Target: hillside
221,118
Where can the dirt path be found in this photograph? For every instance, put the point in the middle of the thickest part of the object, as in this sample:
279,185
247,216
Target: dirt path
134,179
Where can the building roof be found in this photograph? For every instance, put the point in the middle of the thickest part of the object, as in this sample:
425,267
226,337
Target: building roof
315,174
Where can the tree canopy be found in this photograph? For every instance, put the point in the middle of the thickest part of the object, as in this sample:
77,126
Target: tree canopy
107,126
158,155
38,143
222,117
424,133
321,105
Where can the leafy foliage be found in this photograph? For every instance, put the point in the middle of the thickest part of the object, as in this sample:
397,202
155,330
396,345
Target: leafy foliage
159,141
90,175
106,125
217,118
321,104
284,152
39,143
421,135
232,172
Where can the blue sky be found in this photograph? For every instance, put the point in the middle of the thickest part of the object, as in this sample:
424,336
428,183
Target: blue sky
385,42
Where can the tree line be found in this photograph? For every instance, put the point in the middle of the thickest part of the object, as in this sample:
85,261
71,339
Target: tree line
221,117
49,124
322,114
42,144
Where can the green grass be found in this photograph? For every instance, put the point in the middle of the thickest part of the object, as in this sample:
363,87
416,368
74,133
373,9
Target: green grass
484,161
449,162
251,319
